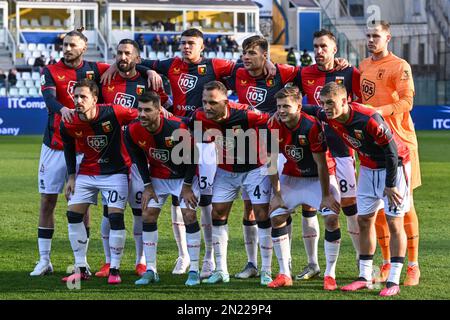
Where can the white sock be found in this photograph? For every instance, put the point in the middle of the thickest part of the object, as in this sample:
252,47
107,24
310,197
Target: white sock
116,245
353,232
311,232
386,261
105,228
179,231
266,248
282,248
251,243
395,272
220,243
206,221
45,244
331,254
150,242
413,263
365,269
137,234
78,241
193,244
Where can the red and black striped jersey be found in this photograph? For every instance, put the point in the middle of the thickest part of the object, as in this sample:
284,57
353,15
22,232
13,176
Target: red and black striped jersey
239,141
57,81
299,144
100,140
187,79
126,91
259,92
157,147
311,80
366,132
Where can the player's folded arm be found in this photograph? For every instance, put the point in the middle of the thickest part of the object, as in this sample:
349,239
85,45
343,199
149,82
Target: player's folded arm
69,150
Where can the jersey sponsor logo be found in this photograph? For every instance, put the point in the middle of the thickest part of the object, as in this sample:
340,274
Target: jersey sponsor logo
90,75
43,80
187,108
255,96
368,89
244,82
159,154
317,94
340,80
293,152
380,74
124,99
140,89
70,86
311,82
78,134
359,134
97,142
107,127
187,82
61,78
176,70
142,144
201,69
111,88
302,140
354,142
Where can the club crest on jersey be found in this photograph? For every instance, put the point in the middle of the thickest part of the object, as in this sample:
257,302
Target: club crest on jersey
201,69
339,80
380,74
124,99
187,82
293,152
354,142
302,140
359,134
270,83
97,142
107,127
70,86
255,96
90,75
169,142
140,89
317,94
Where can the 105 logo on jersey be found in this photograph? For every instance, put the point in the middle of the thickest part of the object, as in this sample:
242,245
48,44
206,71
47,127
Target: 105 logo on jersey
256,96
187,82
293,152
125,100
159,154
97,142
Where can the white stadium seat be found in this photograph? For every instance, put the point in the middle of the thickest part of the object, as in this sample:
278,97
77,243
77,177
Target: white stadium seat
24,23
29,83
45,53
45,21
211,54
217,25
152,55
228,55
160,55
57,23
33,92
35,23
23,92
220,55
20,83
32,46
41,46
2,92
236,55
30,61
13,92
50,46
27,54
22,46
37,83
226,25
35,76
36,54
177,54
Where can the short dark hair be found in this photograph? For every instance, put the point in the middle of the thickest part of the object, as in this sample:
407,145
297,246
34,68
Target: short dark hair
192,33
132,42
150,96
254,41
88,84
215,85
384,24
333,88
77,33
325,32
289,92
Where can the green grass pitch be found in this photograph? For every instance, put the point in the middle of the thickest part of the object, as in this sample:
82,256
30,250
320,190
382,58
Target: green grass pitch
19,207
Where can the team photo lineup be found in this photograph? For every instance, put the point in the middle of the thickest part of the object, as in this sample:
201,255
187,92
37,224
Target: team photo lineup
114,135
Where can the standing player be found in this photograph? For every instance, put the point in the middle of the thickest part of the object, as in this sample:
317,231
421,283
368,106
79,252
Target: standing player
383,179
304,180
387,85
311,80
152,140
235,171
124,89
57,83
97,129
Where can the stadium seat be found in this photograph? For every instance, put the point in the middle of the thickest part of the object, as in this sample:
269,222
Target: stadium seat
36,54
211,54
160,55
37,83
33,92
57,23
26,75
32,46
228,55
177,54
45,53
195,24
30,61
35,76
45,21
67,23
24,23
41,47
236,55
27,54
23,92
13,92
152,55
20,83
29,83
50,46
2,92
220,55
227,25
22,46
35,23
217,25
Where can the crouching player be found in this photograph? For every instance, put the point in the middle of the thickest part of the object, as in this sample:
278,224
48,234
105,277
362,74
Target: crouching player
97,129
151,141
304,180
383,179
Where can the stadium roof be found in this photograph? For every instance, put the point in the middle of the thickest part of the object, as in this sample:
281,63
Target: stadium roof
305,3
190,2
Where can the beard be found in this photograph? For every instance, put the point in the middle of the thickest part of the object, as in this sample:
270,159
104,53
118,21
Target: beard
127,68
73,58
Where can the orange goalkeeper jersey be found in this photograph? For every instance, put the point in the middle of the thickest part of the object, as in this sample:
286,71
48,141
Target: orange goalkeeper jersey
387,85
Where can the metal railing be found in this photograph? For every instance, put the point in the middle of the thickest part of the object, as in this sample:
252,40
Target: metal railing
102,44
11,44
